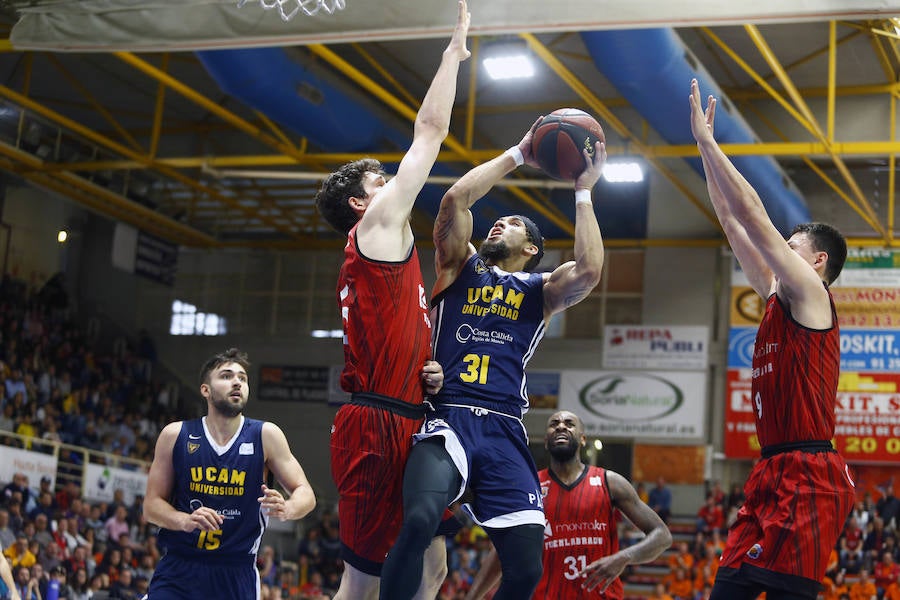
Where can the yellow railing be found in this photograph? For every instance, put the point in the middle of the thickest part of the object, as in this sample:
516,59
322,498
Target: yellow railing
70,459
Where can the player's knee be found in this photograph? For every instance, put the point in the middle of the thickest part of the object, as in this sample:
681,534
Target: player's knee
419,524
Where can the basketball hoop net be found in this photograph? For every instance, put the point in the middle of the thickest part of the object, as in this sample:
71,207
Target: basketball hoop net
309,7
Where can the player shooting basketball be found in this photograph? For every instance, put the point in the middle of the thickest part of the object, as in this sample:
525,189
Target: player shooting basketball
800,492
489,313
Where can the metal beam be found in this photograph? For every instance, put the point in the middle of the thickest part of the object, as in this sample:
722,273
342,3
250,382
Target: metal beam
611,120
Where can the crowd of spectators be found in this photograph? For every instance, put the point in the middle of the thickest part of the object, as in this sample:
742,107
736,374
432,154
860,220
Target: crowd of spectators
56,386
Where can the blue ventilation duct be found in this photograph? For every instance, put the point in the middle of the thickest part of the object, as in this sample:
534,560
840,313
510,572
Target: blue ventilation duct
267,80
652,69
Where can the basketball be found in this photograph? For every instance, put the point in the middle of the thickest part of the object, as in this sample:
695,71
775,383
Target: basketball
560,139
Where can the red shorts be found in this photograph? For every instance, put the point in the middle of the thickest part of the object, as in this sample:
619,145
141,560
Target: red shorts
369,448
796,506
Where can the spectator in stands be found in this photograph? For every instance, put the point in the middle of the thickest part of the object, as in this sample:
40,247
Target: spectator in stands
886,572
661,499
50,558
864,588
641,490
42,534
141,585
19,554
660,592
682,557
7,420
15,384
16,518
7,535
267,566
81,585
850,546
18,487
123,588
736,496
77,560
26,585
873,542
706,570
679,584
56,586
44,506
117,525
710,515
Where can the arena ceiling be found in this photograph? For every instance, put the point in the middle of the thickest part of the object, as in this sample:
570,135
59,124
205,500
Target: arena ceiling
109,103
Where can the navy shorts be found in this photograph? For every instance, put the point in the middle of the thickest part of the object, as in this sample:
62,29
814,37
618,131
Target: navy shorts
490,451
180,578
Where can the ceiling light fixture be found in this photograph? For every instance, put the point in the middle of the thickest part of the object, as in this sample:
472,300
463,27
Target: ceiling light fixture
623,172
509,67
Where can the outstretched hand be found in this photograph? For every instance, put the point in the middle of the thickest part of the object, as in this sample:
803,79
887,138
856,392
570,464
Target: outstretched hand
701,121
273,503
603,572
595,163
457,44
525,145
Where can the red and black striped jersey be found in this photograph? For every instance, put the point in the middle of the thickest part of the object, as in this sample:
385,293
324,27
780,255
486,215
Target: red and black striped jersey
794,377
387,332
581,527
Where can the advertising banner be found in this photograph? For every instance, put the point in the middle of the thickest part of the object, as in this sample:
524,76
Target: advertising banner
33,465
655,347
867,417
101,481
642,405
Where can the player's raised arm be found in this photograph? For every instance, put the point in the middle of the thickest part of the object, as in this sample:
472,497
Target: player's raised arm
391,207
453,226
571,282
290,475
744,204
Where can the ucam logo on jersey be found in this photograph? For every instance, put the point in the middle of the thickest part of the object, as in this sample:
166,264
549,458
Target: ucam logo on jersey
655,347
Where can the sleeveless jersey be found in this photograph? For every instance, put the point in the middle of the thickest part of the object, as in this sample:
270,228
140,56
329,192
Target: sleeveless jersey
229,482
487,326
387,334
581,528
795,377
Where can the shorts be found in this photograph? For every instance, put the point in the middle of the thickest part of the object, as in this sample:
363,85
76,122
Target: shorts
795,509
185,578
369,448
490,451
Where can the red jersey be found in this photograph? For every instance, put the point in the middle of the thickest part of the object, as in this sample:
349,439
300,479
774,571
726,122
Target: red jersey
387,333
795,377
580,528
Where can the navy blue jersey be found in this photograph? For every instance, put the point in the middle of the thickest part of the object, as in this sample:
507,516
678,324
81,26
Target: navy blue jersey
487,325
227,479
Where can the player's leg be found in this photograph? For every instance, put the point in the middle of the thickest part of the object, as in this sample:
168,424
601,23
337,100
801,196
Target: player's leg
520,549
356,585
434,569
431,482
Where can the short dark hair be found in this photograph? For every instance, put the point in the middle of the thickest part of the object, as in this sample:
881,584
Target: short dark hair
535,237
232,355
829,240
340,186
